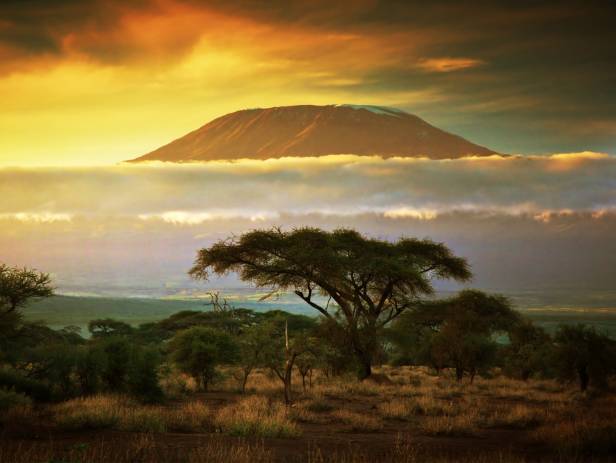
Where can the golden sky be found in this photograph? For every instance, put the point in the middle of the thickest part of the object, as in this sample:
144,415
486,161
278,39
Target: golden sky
97,82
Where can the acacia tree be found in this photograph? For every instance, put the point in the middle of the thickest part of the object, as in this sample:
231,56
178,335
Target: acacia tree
529,351
456,332
199,350
584,354
370,281
252,344
18,286
282,351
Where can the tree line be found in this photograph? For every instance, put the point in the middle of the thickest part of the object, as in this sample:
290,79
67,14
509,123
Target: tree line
374,302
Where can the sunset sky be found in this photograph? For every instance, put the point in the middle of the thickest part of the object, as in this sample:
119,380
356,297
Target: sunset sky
97,82
85,85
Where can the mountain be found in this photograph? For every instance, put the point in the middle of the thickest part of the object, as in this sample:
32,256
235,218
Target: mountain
315,131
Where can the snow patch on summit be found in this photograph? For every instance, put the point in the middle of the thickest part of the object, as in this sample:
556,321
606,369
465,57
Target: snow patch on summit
382,110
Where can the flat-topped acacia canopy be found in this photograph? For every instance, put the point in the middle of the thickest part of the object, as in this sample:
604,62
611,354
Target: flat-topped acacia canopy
371,281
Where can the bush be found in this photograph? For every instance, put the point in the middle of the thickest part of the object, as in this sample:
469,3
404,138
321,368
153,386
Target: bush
121,413
117,351
143,376
10,399
255,416
90,362
13,380
96,412
197,351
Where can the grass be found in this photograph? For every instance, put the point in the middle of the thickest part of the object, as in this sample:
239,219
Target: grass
118,412
142,448
587,428
256,416
554,419
400,409
358,421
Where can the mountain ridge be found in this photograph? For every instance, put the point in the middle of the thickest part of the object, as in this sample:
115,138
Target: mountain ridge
310,130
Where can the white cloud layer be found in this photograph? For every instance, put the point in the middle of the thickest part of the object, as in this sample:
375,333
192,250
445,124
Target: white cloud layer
333,185
522,222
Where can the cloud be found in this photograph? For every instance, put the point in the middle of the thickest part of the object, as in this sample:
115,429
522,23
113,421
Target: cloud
36,217
523,222
189,194
448,64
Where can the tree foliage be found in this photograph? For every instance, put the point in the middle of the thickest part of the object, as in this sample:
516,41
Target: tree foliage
454,333
583,354
368,281
17,287
528,353
199,350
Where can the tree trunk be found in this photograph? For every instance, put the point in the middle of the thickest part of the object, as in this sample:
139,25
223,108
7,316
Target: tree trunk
365,366
459,374
310,378
288,367
364,349
245,380
287,389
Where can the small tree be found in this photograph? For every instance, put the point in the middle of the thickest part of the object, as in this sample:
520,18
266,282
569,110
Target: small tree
457,332
282,351
143,374
369,281
117,352
463,350
199,350
307,362
91,362
252,344
17,287
528,352
584,354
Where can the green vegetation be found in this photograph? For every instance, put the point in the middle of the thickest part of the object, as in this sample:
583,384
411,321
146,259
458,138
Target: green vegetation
140,378
199,350
370,281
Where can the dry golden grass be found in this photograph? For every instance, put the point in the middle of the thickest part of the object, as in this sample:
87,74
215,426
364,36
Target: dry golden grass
119,412
519,416
554,417
452,426
142,448
176,384
256,416
400,409
358,421
587,427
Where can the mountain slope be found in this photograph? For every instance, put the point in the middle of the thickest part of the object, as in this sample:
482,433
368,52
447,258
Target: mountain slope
315,131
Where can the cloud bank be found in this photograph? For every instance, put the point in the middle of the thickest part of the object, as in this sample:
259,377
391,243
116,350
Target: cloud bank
333,185
522,222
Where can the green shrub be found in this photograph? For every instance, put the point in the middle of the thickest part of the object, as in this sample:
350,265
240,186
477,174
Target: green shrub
143,375
10,399
13,380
